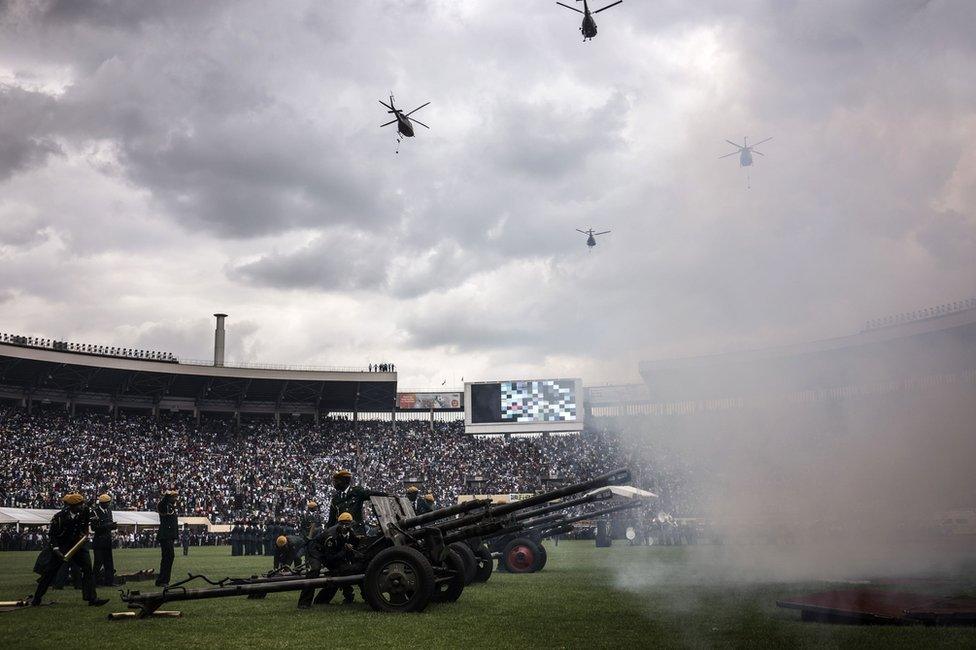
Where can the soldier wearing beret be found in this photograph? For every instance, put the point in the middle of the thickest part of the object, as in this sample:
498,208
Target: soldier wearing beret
102,524
69,529
341,550
412,493
289,550
310,522
348,498
168,532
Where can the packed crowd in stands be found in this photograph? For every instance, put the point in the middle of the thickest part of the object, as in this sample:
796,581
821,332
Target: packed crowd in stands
34,538
260,471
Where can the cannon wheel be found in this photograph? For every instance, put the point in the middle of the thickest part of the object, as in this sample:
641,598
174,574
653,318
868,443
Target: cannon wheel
450,590
543,557
486,565
470,561
521,555
399,579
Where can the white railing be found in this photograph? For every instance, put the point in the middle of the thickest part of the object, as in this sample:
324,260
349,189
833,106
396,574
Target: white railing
921,314
272,366
153,355
84,348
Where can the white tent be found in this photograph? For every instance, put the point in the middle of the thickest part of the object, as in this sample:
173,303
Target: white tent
42,517
29,516
627,491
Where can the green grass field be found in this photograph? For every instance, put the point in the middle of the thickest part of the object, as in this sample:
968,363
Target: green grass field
576,602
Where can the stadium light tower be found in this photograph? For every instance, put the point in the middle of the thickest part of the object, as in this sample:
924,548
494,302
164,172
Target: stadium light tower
219,341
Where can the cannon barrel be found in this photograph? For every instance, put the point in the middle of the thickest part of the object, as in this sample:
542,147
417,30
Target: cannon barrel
561,529
519,528
496,512
559,522
443,513
605,511
542,521
602,495
615,477
565,520
151,600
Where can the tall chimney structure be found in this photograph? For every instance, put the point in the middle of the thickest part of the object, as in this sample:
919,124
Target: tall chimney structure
219,341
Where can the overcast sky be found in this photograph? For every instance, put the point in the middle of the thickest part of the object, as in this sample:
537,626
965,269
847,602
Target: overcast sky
160,161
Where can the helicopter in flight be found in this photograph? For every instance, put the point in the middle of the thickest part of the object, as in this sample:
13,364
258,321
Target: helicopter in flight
591,236
403,120
745,151
589,25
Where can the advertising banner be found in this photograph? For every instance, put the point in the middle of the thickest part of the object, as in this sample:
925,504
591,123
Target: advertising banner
427,401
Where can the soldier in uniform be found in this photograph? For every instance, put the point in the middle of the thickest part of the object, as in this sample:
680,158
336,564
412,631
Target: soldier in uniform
234,534
428,503
313,563
168,532
340,550
289,550
102,524
67,527
348,498
270,535
310,523
258,540
248,535
185,540
412,493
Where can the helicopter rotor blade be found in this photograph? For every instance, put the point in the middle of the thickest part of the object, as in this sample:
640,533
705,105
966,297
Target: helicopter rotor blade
608,6
605,232
416,109
416,121
573,8
388,123
757,152
760,142
734,153
385,104
737,146
582,232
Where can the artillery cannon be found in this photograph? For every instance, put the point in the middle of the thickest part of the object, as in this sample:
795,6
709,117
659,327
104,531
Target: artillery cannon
408,564
520,550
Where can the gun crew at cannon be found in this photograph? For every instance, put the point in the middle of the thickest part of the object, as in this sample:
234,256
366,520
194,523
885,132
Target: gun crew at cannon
413,559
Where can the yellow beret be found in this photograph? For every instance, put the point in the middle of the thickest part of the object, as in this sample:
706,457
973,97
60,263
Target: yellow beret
311,505
345,517
281,541
343,472
104,498
170,493
73,499
412,489
429,497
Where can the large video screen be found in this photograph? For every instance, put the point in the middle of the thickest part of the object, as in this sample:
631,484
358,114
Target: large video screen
524,405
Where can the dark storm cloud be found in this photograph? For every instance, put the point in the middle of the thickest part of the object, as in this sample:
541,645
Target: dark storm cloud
251,125
346,262
25,130
551,139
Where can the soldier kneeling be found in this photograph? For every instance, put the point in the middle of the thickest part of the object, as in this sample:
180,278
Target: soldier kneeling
289,550
341,550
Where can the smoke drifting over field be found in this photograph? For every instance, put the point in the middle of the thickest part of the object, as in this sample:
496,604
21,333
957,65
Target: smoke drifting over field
841,490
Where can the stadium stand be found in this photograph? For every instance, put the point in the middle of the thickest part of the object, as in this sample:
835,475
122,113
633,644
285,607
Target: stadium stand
260,470
37,370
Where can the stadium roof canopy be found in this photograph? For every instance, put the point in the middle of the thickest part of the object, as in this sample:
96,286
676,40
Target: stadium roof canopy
926,343
39,373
